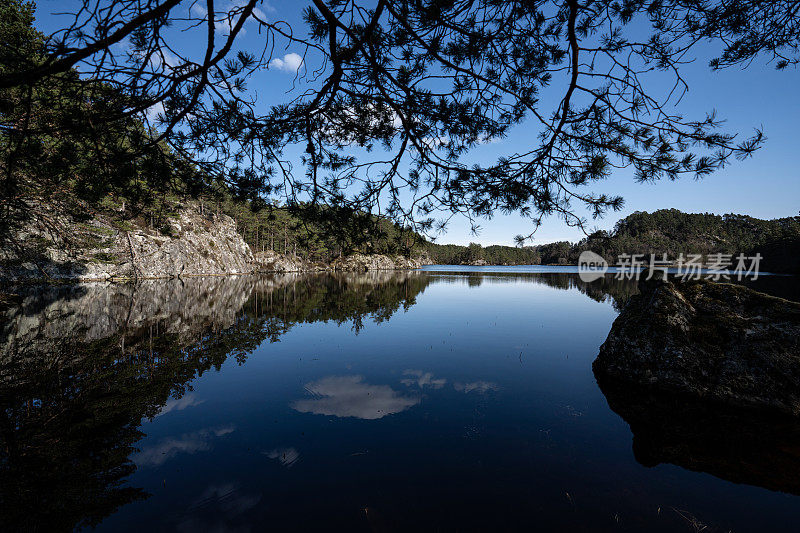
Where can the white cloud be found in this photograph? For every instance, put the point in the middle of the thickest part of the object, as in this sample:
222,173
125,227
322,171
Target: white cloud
436,142
257,13
349,396
486,139
225,25
198,10
153,112
290,63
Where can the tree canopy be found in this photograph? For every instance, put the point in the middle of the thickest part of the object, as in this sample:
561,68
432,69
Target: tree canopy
393,96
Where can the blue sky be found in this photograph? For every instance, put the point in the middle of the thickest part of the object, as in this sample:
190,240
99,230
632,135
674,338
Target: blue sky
765,186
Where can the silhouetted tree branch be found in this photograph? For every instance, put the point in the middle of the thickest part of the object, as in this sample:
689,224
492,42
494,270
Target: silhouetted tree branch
392,97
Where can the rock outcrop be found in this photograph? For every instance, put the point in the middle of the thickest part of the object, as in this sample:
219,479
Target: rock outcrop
270,261
192,244
714,341
273,262
362,263
198,245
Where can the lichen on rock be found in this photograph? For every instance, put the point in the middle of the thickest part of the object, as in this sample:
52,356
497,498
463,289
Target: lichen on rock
270,261
196,244
717,341
193,243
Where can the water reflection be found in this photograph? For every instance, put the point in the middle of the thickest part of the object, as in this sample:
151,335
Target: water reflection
349,396
81,368
286,456
422,379
189,443
735,444
220,508
480,387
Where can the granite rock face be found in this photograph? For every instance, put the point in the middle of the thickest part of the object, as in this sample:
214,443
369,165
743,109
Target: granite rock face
270,261
193,244
714,341
198,246
274,262
362,263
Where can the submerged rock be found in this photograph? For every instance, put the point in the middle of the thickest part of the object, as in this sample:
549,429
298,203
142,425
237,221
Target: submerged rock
715,341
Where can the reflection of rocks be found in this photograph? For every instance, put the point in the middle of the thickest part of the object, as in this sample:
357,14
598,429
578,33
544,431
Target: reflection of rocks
349,396
713,341
734,444
81,366
91,312
94,311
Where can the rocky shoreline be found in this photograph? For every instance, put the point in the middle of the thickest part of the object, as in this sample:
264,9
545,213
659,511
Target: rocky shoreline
194,244
717,342
275,262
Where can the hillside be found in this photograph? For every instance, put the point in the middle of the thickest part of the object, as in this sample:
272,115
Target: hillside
667,231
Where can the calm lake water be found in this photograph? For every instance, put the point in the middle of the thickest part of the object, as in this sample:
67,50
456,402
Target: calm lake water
434,400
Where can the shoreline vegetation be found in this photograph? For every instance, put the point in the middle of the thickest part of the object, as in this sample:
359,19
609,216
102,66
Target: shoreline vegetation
199,238
120,203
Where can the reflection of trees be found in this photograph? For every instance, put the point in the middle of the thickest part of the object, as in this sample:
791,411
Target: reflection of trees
739,445
608,286
619,290
80,367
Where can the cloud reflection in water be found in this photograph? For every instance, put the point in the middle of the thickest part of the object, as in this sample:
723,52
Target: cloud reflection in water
190,443
422,379
476,386
287,456
349,396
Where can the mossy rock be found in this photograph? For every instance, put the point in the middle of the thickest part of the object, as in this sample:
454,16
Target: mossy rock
718,341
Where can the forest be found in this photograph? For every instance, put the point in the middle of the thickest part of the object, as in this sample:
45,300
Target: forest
666,231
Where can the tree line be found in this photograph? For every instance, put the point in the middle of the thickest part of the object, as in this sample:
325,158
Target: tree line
666,231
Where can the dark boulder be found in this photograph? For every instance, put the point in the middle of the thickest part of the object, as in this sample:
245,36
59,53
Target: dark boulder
716,341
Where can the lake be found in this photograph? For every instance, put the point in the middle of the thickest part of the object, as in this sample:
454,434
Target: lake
444,399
